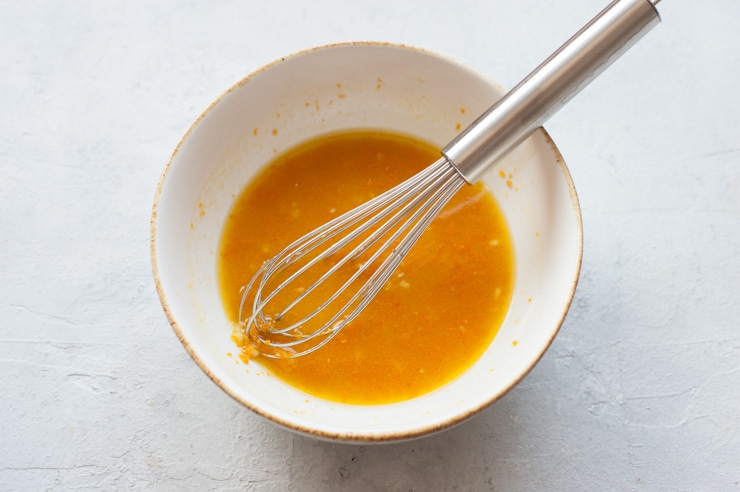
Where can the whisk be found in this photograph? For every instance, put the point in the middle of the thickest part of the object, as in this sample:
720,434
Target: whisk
285,308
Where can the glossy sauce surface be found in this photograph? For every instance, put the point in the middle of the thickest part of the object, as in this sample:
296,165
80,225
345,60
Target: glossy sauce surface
438,312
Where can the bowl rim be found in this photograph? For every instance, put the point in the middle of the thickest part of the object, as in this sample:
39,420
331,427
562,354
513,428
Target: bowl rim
357,437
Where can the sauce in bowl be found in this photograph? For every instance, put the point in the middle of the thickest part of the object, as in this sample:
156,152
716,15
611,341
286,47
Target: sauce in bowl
439,311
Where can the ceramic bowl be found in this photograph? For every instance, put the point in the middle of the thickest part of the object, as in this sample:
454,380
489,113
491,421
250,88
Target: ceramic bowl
358,85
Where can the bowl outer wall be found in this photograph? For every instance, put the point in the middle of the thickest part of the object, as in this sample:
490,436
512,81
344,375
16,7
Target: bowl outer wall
399,88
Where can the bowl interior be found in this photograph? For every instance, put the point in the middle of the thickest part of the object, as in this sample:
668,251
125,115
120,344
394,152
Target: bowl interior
359,86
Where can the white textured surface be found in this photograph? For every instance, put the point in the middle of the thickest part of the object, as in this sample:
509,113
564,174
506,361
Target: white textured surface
640,390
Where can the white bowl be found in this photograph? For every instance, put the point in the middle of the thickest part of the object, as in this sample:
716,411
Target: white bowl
362,85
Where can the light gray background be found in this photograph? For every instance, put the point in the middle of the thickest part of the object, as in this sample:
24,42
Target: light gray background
640,390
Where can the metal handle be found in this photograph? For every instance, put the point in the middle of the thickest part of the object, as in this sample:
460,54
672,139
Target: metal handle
550,86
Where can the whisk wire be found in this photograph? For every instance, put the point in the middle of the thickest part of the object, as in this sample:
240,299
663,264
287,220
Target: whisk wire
420,199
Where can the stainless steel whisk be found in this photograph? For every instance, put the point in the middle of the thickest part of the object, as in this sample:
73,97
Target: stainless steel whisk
375,237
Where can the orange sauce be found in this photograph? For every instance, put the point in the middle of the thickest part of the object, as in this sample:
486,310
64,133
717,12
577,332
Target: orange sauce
438,312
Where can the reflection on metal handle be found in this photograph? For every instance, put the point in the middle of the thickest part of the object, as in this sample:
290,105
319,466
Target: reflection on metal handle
550,86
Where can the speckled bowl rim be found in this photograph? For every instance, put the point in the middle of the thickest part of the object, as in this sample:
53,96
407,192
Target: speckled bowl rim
357,437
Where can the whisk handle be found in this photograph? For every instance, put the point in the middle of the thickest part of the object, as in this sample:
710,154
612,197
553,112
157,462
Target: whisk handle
550,86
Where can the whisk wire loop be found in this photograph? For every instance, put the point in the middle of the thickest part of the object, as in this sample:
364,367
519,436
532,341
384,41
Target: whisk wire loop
400,216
